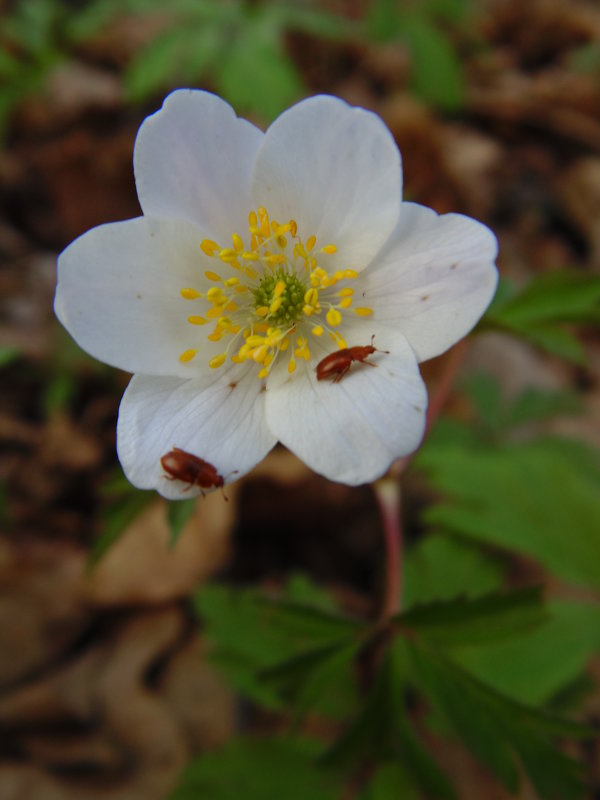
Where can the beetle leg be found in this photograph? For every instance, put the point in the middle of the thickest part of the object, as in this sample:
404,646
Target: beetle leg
341,374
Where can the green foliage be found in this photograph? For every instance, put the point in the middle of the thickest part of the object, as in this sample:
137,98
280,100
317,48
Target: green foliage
284,651
258,769
126,503
8,354
538,498
441,567
498,730
537,312
436,69
178,513
474,621
536,666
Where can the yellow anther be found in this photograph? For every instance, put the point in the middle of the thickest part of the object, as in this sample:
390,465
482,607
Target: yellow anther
329,281
262,311
363,312
232,281
333,317
216,335
244,351
348,292
299,341
241,289
308,310
231,306
329,249
269,359
350,273
318,330
275,305
285,343
217,361
238,244
187,355
255,341
311,242
263,373
249,256
281,241
209,247
291,365
214,312
311,298
251,273
260,353
293,227
261,327
252,219
299,251
275,258
214,294
197,320
190,294
237,359
227,253
279,288
224,322
213,276
346,302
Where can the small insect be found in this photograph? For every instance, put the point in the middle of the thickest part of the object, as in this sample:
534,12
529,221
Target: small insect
186,467
338,363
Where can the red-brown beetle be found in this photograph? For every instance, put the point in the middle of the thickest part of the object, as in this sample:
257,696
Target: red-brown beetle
186,467
338,363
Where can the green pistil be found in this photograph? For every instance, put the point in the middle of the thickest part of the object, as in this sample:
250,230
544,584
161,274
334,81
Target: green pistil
292,297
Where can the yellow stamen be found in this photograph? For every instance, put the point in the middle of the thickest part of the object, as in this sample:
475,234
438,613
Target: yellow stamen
363,312
238,244
329,249
350,273
347,292
213,276
187,355
346,302
197,320
190,294
232,281
333,317
209,247
291,365
310,243
262,311
318,330
217,361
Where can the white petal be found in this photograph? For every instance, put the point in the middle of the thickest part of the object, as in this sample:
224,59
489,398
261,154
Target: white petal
118,295
193,160
434,279
222,424
351,431
335,170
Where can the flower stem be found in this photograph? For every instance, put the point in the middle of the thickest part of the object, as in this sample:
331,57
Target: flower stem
387,494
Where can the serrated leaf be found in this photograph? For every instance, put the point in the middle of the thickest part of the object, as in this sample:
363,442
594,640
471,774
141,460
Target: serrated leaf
546,302
538,498
382,733
497,729
475,621
440,567
178,513
534,668
258,769
251,633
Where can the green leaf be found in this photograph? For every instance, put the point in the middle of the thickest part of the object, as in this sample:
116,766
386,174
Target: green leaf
440,566
251,633
116,519
256,74
475,621
258,769
538,498
497,729
546,302
534,668
437,73
178,56
391,780
8,354
381,732
178,513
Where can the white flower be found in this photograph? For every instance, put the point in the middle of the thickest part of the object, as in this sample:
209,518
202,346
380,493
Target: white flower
258,255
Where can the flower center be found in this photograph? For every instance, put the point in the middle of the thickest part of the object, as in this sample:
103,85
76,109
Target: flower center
273,293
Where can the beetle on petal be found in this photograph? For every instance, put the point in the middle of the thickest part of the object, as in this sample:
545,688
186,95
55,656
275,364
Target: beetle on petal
339,362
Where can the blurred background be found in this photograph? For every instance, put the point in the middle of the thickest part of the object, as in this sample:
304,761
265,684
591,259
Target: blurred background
108,681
